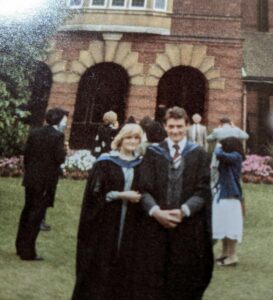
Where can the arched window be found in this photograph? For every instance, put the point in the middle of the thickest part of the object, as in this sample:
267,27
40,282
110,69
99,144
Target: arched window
182,86
102,87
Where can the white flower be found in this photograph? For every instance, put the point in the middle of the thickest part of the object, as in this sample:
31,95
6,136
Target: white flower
81,160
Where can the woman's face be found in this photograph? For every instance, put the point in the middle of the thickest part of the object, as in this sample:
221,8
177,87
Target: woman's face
130,143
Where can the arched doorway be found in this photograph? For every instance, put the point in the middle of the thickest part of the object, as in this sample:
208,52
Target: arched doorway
102,87
182,86
40,90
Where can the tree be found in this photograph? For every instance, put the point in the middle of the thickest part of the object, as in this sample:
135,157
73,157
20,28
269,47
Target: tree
23,44
12,130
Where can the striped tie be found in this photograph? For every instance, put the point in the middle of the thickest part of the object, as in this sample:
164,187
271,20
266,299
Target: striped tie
177,156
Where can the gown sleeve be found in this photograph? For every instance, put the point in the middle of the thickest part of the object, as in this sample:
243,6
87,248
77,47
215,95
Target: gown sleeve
93,203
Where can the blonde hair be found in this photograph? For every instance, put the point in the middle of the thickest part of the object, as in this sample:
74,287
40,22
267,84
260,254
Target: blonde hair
126,131
110,117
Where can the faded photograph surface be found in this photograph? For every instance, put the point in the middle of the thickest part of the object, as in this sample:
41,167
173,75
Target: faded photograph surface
136,149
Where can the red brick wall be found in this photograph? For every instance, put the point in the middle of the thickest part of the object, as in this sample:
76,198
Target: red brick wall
142,99
227,102
270,15
208,7
207,18
249,15
203,27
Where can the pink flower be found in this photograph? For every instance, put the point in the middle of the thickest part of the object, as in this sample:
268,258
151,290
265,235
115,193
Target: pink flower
257,165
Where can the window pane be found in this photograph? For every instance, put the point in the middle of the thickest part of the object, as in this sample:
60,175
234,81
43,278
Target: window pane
98,2
138,3
160,4
119,3
75,2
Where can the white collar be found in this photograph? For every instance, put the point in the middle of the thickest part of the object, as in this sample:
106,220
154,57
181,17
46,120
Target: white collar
181,144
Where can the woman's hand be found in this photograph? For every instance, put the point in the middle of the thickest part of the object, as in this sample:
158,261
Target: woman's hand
131,196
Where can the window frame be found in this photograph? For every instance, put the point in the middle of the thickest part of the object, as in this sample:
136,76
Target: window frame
160,9
118,7
98,6
137,7
74,6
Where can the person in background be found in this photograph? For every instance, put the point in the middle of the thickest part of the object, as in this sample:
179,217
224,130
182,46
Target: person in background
108,222
155,133
44,153
131,120
51,193
144,123
197,133
227,215
106,134
175,259
226,129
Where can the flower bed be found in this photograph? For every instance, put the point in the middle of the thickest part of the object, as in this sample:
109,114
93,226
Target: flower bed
257,169
76,165
12,166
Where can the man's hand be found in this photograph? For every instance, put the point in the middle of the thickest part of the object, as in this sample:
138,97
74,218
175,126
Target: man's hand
168,218
131,196
178,214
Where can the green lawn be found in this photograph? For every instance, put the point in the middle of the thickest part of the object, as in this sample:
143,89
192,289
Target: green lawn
252,279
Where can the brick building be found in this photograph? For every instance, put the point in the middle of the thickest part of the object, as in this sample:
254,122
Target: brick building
138,57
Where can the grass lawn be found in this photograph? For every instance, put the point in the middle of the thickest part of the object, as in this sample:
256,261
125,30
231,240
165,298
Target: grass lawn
53,279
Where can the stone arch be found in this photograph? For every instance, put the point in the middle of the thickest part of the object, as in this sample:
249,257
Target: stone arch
186,55
97,52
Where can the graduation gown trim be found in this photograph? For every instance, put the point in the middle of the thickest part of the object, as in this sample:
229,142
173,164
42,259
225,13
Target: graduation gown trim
115,158
166,154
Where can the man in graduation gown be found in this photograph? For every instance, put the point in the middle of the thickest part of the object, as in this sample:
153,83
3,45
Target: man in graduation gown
175,247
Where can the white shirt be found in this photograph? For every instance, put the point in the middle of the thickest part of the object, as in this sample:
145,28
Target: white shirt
181,144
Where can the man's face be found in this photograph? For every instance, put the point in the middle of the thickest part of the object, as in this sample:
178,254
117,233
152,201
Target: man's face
176,129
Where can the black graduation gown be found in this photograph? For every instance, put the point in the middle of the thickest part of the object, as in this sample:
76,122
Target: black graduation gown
103,272
175,263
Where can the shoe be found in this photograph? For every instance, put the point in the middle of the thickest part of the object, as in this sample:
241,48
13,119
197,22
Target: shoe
220,258
35,258
228,261
45,227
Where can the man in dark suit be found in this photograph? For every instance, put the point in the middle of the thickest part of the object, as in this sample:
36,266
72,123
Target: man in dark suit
175,249
44,153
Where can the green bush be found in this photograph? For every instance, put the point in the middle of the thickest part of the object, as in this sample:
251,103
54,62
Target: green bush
13,131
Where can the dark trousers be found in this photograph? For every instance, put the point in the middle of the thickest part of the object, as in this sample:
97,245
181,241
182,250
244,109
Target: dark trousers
29,224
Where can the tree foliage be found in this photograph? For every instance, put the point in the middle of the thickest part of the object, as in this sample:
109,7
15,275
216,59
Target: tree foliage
13,131
23,44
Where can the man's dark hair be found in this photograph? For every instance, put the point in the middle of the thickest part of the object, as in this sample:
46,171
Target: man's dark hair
225,120
155,132
232,144
131,120
55,115
145,122
176,113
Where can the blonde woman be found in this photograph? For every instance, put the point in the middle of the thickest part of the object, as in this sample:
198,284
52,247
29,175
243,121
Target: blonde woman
106,133
109,218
